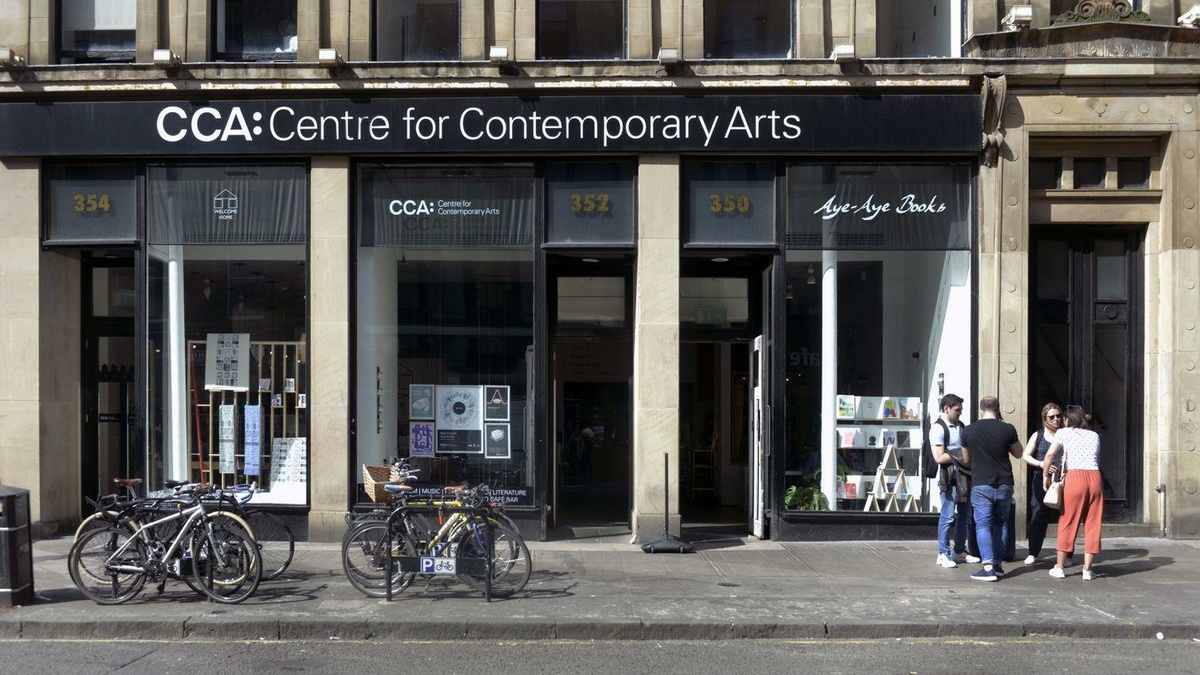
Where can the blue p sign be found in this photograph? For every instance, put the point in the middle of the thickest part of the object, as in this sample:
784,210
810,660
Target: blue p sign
428,565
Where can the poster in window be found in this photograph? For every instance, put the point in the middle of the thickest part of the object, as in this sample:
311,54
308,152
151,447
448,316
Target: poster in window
227,362
496,405
459,418
420,401
252,420
227,437
497,441
420,439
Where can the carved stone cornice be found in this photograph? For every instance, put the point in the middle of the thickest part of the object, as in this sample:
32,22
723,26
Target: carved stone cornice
1108,39
1096,11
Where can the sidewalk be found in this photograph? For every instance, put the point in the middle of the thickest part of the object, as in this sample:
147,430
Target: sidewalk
608,589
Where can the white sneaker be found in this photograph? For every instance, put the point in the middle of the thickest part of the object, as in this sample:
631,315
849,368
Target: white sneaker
1030,559
1057,572
1088,575
968,558
944,560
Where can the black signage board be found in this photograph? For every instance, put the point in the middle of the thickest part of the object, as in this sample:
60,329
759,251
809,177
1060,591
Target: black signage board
619,123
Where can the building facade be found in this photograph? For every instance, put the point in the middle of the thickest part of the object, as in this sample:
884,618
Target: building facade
701,262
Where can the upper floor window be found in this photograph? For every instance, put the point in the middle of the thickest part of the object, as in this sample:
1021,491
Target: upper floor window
97,31
416,30
581,29
255,30
747,29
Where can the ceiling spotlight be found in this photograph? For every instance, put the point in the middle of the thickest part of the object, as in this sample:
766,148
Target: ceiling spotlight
720,260
590,260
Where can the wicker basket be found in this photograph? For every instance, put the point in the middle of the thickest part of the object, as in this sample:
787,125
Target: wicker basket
374,478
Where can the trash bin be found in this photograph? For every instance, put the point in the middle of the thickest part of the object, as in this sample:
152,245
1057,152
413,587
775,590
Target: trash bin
16,550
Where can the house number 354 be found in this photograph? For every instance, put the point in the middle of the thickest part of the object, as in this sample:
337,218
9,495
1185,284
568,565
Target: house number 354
91,203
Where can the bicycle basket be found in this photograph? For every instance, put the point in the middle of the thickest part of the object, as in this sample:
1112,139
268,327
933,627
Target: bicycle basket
374,478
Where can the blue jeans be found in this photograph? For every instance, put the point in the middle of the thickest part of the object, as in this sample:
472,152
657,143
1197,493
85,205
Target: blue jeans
991,503
962,524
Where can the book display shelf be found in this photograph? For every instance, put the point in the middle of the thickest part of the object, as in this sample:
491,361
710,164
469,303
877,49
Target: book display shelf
879,440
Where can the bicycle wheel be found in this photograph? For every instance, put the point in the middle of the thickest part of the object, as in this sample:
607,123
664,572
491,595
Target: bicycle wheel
276,544
225,563
365,558
511,562
94,565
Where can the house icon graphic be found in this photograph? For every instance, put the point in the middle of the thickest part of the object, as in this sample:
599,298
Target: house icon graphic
225,205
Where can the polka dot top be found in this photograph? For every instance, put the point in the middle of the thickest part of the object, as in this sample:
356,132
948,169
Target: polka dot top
1081,448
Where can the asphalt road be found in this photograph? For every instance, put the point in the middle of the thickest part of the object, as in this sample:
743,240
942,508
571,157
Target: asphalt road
1007,656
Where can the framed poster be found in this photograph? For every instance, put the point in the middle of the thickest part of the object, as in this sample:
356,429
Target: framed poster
496,407
497,441
420,439
420,401
459,418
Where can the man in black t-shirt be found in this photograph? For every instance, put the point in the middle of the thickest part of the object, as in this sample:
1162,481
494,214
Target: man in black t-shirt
987,446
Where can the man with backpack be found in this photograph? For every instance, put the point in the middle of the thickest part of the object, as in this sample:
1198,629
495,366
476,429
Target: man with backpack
945,443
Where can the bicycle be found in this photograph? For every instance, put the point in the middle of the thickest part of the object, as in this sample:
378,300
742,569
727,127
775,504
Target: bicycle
472,529
111,565
276,542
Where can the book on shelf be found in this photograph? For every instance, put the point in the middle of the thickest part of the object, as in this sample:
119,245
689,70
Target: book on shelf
870,408
847,406
873,437
889,437
851,490
849,437
910,408
888,409
903,438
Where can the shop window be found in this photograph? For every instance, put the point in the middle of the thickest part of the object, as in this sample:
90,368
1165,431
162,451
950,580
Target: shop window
1045,173
227,324
1133,173
101,31
445,330
747,29
1089,173
417,30
898,324
580,29
255,30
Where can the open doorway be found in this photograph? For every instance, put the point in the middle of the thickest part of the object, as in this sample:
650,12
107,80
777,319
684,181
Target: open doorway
714,436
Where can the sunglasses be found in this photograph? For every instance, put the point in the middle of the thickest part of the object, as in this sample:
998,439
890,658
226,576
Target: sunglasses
1054,417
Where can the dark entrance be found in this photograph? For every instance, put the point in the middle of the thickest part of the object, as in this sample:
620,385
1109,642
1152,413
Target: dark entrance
1085,345
591,374
108,346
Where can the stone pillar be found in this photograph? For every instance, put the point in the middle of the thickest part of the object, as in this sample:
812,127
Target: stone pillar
811,41
656,347
329,347
20,339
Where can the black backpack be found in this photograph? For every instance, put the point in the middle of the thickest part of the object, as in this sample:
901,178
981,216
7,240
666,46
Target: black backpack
929,468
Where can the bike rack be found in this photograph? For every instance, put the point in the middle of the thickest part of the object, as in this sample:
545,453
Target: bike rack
426,565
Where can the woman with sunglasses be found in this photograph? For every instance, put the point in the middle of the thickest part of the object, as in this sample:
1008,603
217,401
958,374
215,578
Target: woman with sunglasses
1039,442
1083,490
